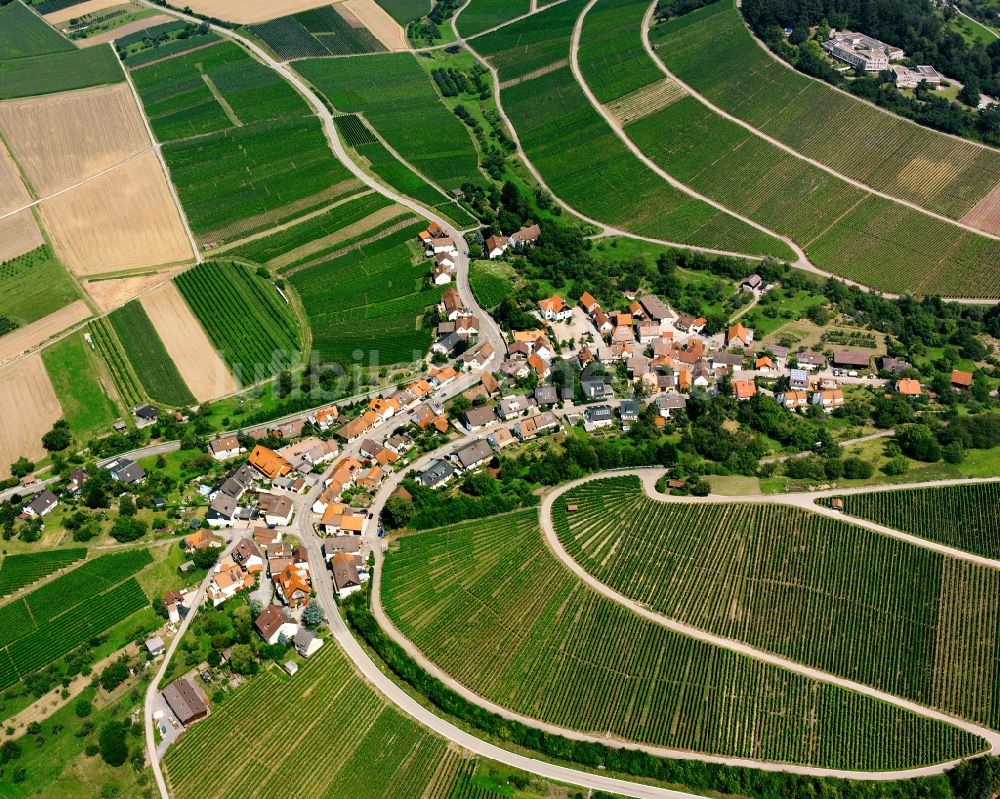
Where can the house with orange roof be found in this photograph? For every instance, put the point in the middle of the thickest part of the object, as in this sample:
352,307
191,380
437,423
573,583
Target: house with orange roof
588,303
553,309
227,583
442,376
828,400
737,335
325,417
292,586
744,389
792,400
960,379
539,366
908,387
269,463
763,364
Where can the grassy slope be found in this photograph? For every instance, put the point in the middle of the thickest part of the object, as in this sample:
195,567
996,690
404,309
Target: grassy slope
75,372
34,285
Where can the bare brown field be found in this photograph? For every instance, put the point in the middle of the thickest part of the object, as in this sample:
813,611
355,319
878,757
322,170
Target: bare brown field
125,219
29,407
114,292
985,215
24,338
249,11
377,20
61,139
87,7
124,30
18,234
187,344
13,193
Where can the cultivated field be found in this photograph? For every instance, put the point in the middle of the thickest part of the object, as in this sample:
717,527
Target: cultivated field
136,25
79,10
491,606
187,344
17,571
251,11
60,71
29,408
366,306
123,219
964,517
22,34
62,139
711,50
246,319
31,335
985,215
13,193
148,356
374,18
32,286
405,11
79,378
56,618
109,293
391,91
317,32
123,377
814,589
329,758
481,15
18,234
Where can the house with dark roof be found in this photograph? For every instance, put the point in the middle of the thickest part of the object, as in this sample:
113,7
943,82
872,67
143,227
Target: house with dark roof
274,622
437,474
478,417
126,470
185,701
474,454
43,503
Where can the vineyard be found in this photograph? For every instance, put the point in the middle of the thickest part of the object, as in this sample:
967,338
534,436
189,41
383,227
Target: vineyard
489,604
367,306
148,357
811,588
23,34
59,72
56,618
612,59
244,316
17,571
160,44
399,100
963,516
354,130
711,50
525,47
480,15
330,757
33,285
316,32
127,385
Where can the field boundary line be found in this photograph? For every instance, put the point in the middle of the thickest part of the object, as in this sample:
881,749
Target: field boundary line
574,61
222,101
646,25
145,64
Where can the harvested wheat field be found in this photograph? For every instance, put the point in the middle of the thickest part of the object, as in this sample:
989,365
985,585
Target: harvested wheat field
13,193
124,30
377,20
79,10
188,345
28,407
24,338
18,234
249,11
125,219
112,293
985,215
61,139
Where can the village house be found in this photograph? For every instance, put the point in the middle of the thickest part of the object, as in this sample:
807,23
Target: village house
744,389
222,511
277,510
42,504
597,416
738,336
961,380
473,455
125,470
291,586
476,418
588,303
438,473
798,379
828,400
656,309
908,387
268,462
346,577
273,623
306,642
222,449
553,309
526,236
202,539
499,439
628,410
227,582
248,556
536,425
325,417
810,361
792,400
495,246
451,305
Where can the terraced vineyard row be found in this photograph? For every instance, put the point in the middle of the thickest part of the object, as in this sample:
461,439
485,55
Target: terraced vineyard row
711,50
148,356
330,757
244,316
17,571
814,589
127,385
963,516
492,607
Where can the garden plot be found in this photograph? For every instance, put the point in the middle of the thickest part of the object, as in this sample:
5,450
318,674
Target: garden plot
29,407
123,219
61,139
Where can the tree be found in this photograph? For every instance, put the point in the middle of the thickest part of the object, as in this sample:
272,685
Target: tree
9,750
242,661
126,506
918,442
970,92
83,708
397,512
125,529
313,614
115,674
22,467
112,743
58,438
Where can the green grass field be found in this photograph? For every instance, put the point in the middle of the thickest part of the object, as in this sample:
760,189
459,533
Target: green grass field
480,15
34,285
76,375
369,303
964,517
258,157
812,588
60,71
244,316
316,32
711,50
148,357
490,605
492,282
68,611
17,571
392,91
23,34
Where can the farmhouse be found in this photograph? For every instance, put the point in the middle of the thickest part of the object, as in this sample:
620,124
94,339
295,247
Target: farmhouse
273,623
960,379
846,359
655,308
185,700
737,335
810,360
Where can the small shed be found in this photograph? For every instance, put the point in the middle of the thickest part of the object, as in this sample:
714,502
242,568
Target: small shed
291,667
838,504
155,646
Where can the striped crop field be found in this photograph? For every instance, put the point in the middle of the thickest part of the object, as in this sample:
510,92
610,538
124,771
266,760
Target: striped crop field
17,571
56,618
963,516
812,588
844,229
490,605
480,15
582,159
347,742
711,50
